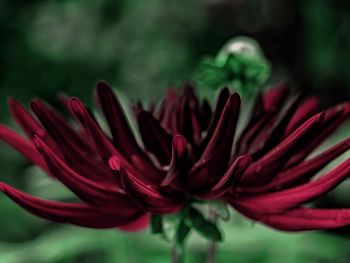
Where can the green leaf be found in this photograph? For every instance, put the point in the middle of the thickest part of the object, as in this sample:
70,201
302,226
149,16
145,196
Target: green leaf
182,232
157,224
203,226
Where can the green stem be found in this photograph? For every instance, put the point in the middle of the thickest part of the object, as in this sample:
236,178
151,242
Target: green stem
211,254
177,253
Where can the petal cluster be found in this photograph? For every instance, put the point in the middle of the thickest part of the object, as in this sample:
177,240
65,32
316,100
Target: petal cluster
189,151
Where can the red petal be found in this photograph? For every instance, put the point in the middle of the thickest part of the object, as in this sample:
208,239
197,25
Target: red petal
77,214
264,169
216,156
228,181
86,189
28,123
283,200
138,225
123,138
334,117
275,97
180,149
23,146
154,137
56,126
301,219
221,102
148,197
308,108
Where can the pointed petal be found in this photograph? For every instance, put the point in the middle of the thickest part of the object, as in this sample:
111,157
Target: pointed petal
206,114
264,169
168,113
56,126
180,148
250,133
216,156
154,137
84,188
228,181
309,107
147,196
21,145
224,131
123,138
301,219
28,123
272,134
275,97
286,199
334,117
303,172
102,143
77,214
221,102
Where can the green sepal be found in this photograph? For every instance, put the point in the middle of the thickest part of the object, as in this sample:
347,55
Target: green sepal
202,225
182,232
157,224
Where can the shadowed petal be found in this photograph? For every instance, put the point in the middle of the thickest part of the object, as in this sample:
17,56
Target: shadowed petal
86,189
154,137
138,225
221,102
283,200
301,219
303,172
180,148
21,145
275,97
29,124
145,195
264,169
60,131
77,214
334,117
308,108
215,158
228,181
123,138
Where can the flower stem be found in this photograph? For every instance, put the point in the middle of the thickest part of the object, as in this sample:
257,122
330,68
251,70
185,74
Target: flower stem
177,254
211,254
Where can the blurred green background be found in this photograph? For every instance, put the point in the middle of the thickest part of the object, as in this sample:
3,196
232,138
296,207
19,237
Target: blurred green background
141,47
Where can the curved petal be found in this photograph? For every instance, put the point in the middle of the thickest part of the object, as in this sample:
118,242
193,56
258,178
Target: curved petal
155,138
77,214
265,168
301,219
21,145
148,198
283,200
301,173
217,153
84,188
137,225
123,138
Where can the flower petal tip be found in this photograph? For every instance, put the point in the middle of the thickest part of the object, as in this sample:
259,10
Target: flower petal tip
114,163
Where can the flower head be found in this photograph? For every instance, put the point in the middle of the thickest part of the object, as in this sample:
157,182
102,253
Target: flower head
241,64
189,153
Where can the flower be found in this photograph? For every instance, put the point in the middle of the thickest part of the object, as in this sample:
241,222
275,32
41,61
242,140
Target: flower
189,155
241,64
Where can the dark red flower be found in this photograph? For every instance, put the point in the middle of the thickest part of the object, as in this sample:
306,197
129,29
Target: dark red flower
189,153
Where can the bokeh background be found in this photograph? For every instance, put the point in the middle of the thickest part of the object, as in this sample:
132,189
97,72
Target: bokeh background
141,47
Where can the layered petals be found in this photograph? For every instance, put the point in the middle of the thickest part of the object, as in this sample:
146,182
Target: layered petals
188,154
